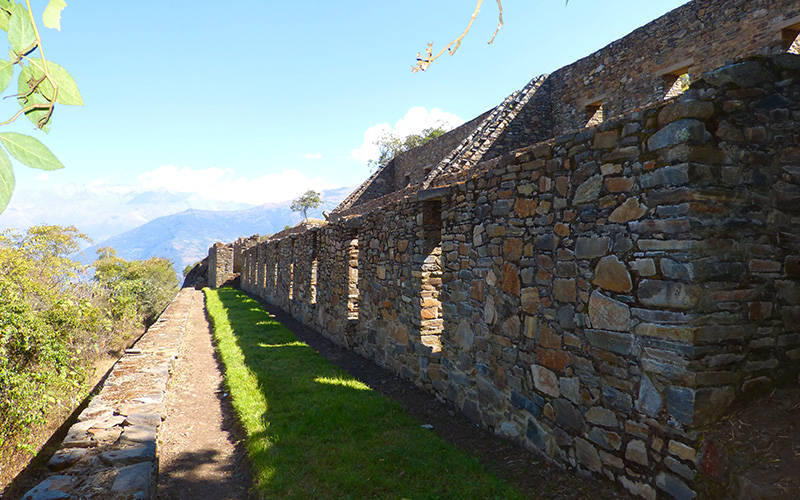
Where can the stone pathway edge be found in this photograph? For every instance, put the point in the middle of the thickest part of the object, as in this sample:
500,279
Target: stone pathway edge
111,451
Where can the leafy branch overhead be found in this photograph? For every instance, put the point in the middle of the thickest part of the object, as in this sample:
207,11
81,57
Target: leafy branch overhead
41,85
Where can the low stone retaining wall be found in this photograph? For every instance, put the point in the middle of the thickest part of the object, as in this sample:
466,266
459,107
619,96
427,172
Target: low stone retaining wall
111,451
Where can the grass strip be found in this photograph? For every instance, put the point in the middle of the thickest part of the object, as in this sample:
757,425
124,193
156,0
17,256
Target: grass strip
314,431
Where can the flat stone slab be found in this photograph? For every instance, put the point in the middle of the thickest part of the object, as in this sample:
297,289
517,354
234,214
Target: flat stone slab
52,488
129,455
134,480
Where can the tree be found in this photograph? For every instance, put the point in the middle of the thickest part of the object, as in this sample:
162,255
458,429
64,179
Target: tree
390,145
41,84
309,200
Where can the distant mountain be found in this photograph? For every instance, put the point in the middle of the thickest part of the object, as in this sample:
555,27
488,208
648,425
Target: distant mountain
184,238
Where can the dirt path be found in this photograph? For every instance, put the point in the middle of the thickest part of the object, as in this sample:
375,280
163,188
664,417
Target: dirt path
200,452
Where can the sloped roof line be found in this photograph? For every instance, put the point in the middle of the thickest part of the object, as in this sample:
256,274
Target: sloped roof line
470,151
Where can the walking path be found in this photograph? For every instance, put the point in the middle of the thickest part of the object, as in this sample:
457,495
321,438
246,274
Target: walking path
198,452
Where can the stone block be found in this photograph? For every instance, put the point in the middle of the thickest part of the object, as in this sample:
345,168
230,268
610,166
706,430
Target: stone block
564,290
588,190
598,415
608,314
545,380
636,451
618,343
741,74
587,455
649,401
608,440
588,248
611,274
668,294
674,175
674,487
679,132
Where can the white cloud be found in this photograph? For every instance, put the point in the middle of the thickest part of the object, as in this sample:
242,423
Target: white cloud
416,119
313,156
42,177
219,184
101,208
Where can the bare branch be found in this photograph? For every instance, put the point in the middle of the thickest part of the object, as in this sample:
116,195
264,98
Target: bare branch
452,47
499,21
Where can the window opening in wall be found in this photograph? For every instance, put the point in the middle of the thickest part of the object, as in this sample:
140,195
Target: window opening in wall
352,279
431,320
790,37
594,114
407,181
274,277
677,83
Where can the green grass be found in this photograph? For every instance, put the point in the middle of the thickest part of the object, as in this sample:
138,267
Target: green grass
313,431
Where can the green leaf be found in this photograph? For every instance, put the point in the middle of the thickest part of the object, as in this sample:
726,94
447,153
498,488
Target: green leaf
68,92
6,73
6,7
20,30
30,151
6,180
52,14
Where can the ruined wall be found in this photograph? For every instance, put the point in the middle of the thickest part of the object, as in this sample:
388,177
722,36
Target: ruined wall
220,265
598,297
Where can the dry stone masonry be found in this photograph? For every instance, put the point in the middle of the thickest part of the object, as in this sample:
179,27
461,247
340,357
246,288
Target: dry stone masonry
599,294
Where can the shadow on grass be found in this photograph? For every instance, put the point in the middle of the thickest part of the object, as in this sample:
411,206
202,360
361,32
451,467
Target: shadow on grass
314,430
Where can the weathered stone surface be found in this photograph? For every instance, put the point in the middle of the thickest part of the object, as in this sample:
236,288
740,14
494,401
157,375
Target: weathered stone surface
643,267
678,132
680,403
742,74
685,109
619,343
639,489
605,439
52,488
567,416
588,190
65,458
134,479
608,314
588,248
636,451
464,335
545,381
129,455
674,175
530,300
564,290
587,455
611,274
628,211
682,451
649,401
605,140
601,416
668,294
674,487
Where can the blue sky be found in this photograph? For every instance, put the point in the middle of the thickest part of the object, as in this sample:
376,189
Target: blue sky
231,104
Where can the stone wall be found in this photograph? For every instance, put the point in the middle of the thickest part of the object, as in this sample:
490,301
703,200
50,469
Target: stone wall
598,297
220,265
639,69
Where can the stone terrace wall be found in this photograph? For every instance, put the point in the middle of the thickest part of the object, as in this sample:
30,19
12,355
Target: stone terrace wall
639,69
598,297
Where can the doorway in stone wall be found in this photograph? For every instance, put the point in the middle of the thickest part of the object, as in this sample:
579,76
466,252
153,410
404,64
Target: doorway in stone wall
430,276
